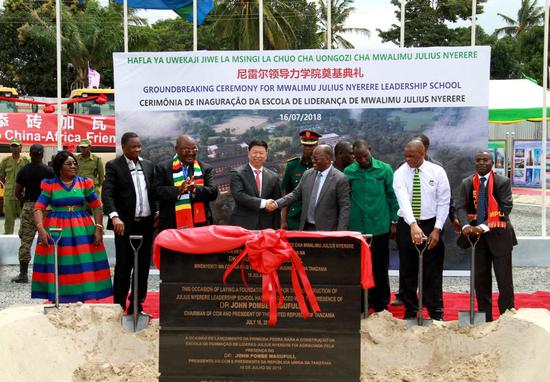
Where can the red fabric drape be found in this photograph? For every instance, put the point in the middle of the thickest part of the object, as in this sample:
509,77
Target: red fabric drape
221,238
266,252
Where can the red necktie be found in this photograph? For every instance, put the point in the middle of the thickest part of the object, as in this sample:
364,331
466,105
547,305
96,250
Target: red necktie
258,182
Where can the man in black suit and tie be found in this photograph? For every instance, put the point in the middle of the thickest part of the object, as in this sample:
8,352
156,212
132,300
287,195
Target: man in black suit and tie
252,186
128,201
485,202
184,187
324,193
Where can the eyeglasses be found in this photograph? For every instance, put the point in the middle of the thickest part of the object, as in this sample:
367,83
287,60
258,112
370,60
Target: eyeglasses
70,164
190,151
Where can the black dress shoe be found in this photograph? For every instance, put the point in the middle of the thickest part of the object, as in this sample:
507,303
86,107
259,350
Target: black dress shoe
131,309
436,315
410,315
397,302
378,309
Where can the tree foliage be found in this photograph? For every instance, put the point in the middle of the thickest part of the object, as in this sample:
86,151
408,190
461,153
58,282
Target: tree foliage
89,36
519,52
237,21
516,48
529,14
340,11
427,22
25,65
93,31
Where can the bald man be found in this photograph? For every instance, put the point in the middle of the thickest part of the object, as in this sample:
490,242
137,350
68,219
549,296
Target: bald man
184,187
324,193
423,193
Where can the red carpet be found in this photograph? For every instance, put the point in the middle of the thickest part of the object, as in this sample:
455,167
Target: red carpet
454,302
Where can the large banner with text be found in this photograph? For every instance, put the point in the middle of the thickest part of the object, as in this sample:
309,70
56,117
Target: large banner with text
302,80
41,128
225,99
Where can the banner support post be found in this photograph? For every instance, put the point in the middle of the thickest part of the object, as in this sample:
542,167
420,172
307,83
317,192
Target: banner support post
544,118
329,24
125,6
58,48
195,24
474,22
261,25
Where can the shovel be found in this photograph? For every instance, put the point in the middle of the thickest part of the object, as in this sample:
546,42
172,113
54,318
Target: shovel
420,321
138,320
368,239
471,317
55,233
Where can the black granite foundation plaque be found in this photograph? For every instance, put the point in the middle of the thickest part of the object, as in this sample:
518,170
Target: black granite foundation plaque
215,332
286,353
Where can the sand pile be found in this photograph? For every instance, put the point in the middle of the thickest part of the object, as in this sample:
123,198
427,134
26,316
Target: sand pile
77,343
87,343
514,348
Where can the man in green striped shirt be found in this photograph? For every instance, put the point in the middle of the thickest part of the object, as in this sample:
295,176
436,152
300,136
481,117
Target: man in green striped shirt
373,211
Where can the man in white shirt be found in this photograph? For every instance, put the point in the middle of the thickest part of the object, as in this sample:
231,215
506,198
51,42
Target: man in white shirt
423,193
128,201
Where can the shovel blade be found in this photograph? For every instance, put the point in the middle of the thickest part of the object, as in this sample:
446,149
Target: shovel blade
416,322
464,318
141,322
50,308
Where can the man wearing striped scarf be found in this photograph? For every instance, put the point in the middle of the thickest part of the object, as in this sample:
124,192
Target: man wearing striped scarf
484,205
184,187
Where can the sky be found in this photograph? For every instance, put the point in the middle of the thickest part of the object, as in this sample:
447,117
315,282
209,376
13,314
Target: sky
380,14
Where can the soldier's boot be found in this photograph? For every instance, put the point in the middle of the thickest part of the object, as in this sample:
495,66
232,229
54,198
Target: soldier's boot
23,276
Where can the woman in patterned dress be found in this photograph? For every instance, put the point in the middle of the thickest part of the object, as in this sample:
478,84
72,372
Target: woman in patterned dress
84,272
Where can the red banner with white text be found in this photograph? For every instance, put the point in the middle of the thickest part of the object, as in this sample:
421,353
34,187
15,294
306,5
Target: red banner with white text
41,128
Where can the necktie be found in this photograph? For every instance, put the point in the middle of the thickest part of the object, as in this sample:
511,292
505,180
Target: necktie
481,201
313,199
417,195
258,185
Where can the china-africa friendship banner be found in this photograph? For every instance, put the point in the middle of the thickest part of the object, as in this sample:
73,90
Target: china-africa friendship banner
41,128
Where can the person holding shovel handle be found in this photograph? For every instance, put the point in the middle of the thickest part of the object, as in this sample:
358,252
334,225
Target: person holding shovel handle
423,194
485,202
83,268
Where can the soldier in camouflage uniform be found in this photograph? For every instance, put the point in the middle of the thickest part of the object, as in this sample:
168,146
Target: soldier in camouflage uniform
290,216
27,189
90,165
9,167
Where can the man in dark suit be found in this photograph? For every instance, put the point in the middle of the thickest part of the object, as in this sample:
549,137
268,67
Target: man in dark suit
252,186
486,202
324,193
128,201
184,188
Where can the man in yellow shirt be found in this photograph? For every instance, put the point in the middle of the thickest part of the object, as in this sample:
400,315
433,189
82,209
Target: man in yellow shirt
90,165
9,167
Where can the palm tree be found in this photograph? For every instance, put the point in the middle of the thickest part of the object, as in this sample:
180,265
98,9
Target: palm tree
341,9
90,34
238,22
528,15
